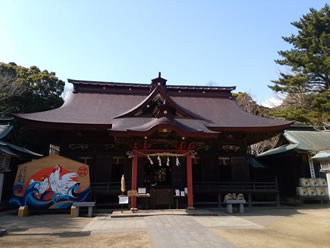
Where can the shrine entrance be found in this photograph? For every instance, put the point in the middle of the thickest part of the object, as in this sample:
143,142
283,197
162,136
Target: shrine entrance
165,174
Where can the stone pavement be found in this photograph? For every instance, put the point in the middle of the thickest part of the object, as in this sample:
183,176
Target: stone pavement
226,222
260,228
166,228
181,231
108,224
174,230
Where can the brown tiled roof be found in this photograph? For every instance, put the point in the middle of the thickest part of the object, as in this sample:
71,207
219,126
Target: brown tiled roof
86,108
99,103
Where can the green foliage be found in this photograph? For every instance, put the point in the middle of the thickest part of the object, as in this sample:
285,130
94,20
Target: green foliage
299,114
246,103
25,90
321,107
308,84
309,59
315,111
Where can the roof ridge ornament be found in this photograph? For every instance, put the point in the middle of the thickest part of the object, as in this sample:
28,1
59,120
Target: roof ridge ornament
159,81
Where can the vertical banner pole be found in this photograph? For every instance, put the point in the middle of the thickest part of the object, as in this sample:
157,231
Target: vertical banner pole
134,178
189,182
2,175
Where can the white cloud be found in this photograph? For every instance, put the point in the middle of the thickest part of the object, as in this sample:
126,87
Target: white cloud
68,88
272,102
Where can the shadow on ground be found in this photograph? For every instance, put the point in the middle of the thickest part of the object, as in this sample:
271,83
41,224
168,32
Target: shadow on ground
42,223
59,235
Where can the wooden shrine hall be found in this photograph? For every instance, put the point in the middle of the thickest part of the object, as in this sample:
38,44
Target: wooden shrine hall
183,143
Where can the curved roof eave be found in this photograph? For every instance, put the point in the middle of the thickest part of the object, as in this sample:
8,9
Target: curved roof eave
190,128
256,129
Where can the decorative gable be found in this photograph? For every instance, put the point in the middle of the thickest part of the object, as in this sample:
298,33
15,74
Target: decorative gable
158,104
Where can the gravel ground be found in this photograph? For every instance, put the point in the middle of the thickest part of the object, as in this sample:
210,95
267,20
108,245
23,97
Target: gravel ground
283,228
97,240
269,227
62,230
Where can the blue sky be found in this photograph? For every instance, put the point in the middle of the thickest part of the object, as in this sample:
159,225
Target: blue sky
191,42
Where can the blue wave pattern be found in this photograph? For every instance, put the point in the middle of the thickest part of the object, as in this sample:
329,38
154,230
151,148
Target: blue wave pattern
58,201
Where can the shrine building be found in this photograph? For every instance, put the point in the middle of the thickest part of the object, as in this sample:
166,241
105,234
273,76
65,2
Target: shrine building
172,141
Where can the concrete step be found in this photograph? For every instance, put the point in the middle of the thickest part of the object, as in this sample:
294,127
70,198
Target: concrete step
143,213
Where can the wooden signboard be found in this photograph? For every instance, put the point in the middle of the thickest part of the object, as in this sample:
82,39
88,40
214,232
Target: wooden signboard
52,182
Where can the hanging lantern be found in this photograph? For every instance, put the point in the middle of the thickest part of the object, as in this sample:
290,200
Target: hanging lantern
168,161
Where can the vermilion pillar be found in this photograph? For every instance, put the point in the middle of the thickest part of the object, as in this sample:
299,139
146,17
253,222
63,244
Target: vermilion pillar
134,178
189,182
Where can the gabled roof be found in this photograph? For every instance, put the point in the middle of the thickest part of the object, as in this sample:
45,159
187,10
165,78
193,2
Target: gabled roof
303,141
5,130
11,149
322,155
122,107
309,140
158,92
284,149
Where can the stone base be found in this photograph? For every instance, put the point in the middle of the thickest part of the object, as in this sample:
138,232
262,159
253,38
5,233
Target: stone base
190,208
3,232
73,211
23,211
134,209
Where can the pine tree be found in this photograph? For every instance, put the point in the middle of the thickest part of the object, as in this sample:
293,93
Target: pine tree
309,58
309,64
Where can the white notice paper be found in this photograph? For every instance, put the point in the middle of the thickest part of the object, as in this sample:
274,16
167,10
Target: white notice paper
123,199
142,190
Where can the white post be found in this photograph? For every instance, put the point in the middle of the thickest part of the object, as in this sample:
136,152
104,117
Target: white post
328,182
1,184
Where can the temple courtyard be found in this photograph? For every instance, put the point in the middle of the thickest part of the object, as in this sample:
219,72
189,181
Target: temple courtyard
307,226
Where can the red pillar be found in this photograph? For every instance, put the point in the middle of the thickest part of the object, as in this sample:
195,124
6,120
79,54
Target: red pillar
134,178
189,182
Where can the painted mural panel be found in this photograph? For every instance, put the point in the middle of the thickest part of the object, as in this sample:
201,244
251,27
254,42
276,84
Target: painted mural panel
53,182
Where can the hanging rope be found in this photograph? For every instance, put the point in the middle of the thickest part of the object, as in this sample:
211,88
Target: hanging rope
168,154
177,162
168,161
150,160
159,154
